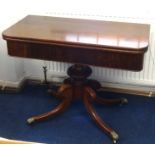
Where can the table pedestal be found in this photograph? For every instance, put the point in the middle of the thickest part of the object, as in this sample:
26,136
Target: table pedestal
77,86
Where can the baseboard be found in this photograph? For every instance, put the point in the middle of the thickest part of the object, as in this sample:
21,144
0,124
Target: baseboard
106,86
12,87
129,89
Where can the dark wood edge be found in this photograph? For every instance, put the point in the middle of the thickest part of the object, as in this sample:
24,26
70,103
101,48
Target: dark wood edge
78,45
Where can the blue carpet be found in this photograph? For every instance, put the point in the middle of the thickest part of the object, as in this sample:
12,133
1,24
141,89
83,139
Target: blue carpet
135,122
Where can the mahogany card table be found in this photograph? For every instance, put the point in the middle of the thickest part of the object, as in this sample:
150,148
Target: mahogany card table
83,42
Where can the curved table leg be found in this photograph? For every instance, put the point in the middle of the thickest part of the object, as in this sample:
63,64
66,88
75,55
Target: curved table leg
65,93
88,92
110,101
57,93
106,101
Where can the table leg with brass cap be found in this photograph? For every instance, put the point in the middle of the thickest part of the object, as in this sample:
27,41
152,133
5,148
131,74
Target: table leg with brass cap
65,94
88,98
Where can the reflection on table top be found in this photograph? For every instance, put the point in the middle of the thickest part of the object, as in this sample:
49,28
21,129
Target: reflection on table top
80,31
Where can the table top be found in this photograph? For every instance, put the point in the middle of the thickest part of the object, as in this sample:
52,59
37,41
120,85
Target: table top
92,33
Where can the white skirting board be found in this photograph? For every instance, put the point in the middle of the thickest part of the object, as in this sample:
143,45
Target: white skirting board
11,84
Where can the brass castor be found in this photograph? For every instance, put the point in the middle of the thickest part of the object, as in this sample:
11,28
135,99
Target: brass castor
114,136
30,120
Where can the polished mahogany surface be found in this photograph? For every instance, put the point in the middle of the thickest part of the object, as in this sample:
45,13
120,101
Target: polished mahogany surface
71,31
92,42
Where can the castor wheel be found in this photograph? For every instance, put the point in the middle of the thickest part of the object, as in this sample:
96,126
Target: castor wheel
30,120
114,141
114,137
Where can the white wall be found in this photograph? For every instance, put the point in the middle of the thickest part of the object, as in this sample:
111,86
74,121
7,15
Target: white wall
14,69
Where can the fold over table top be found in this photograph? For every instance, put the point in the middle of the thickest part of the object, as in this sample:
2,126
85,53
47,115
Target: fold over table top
92,33
92,42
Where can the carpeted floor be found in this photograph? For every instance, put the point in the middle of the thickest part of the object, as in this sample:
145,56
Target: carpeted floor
135,122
